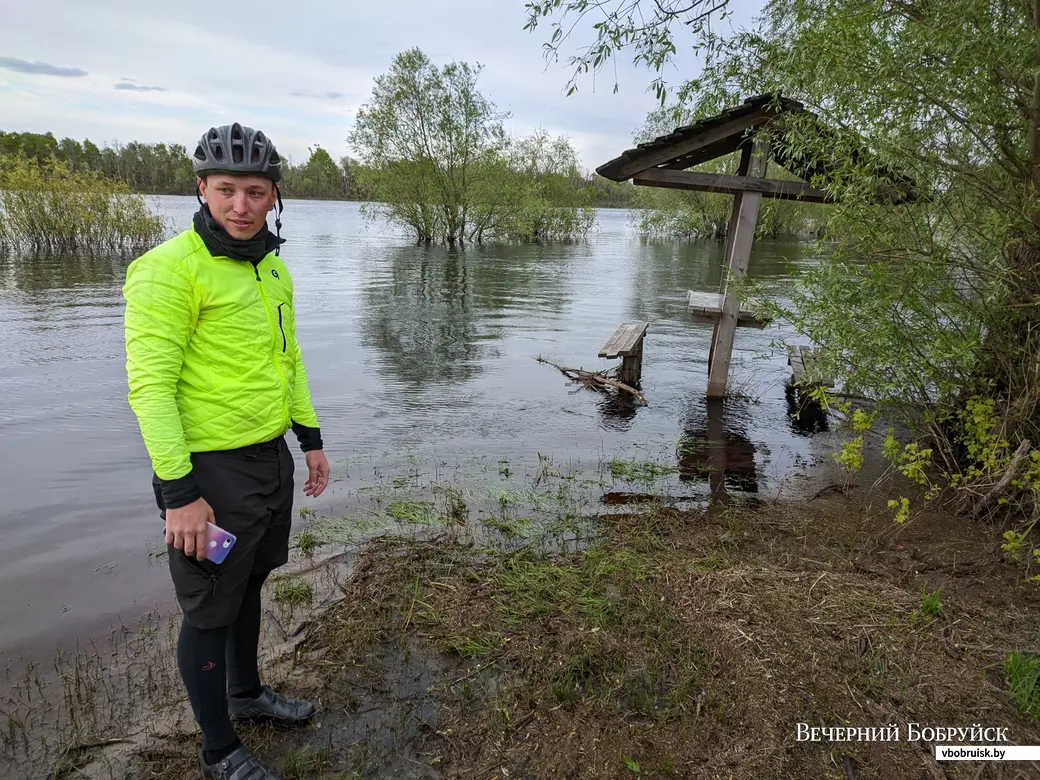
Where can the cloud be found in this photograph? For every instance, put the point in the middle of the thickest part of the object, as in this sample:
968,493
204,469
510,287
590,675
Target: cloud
40,68
128,84
264,70
306,93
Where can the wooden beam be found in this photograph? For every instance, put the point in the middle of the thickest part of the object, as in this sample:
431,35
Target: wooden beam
746,204
716,182
707,307
709,152
685,146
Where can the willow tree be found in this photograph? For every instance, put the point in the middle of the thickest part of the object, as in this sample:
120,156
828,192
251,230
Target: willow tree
934,308
428,139
556,202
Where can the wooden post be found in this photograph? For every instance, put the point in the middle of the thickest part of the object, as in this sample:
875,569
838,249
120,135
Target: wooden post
742,170
738,252
631,370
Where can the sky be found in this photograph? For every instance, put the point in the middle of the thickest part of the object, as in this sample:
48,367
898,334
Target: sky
155,70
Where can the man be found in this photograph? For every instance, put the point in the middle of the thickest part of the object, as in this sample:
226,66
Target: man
216,379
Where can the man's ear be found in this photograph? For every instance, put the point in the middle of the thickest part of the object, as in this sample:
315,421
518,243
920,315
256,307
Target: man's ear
200,182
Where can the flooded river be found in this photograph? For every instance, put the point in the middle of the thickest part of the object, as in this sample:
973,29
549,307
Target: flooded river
412,352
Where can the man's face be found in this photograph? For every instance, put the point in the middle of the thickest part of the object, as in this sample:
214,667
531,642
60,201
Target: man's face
239,204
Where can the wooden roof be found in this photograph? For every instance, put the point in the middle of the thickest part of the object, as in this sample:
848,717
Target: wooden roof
730,131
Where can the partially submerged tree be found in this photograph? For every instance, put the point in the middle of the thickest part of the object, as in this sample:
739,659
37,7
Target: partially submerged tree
437,157
429,137
47,209
556,202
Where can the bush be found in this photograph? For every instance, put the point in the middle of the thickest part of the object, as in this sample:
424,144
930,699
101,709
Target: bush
47,209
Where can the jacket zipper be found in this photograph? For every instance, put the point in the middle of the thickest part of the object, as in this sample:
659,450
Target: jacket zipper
274,360
280,328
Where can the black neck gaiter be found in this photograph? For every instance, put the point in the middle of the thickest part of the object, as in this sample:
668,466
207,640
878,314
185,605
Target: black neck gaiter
220,243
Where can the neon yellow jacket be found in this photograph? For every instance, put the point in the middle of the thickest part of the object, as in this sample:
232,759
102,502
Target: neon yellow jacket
211,353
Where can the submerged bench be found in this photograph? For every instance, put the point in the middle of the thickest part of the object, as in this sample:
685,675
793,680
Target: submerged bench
627,344
707,307
804,375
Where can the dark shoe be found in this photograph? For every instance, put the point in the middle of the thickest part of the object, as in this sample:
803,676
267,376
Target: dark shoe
239,765
271,707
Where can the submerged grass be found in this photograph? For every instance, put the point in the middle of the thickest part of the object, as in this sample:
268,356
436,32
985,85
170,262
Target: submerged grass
416,512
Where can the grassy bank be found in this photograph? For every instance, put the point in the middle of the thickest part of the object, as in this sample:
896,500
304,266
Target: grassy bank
649,642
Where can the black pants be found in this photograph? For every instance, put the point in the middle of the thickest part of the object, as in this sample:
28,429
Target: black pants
251,492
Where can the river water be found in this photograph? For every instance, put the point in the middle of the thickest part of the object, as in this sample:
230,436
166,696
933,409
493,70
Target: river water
410,350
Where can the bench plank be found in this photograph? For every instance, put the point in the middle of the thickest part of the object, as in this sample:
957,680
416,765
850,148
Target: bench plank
707,307
801,360
625,341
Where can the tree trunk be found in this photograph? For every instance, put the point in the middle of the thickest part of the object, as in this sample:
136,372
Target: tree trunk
1011,348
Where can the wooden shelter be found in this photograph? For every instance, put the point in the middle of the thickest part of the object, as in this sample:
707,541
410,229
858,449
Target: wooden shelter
758,130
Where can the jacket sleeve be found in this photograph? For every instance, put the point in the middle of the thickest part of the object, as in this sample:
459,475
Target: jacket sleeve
304,419
162,309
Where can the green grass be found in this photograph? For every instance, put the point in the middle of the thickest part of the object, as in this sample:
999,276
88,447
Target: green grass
639,470
509,526
931,603
307,542
1023,673
415,512
455,507
713,560
302,763
293,593
473,646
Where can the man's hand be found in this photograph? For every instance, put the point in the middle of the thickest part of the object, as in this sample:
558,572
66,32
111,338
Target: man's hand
318,473
186,527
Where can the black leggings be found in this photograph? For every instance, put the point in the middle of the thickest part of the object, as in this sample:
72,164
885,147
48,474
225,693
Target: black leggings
218,662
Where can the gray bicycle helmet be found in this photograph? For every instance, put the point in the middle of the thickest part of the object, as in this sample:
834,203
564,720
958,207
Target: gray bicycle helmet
236,149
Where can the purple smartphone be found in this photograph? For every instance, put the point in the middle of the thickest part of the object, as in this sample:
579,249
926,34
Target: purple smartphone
218,541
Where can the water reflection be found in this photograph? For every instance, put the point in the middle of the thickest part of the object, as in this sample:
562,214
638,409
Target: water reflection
419,315
668,269
33,276
618,411
806,415
432,312
714,444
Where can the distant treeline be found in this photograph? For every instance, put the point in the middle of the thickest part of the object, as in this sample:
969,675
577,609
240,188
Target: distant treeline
165,169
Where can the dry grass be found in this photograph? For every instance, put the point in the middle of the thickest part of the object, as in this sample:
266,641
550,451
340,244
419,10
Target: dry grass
692,646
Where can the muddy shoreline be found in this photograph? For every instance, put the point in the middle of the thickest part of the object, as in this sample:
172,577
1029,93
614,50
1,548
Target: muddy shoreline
645,635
